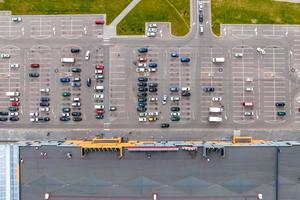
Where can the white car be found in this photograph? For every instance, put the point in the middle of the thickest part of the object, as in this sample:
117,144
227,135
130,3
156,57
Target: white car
259,196
47,196
44,109
46,90
140,69
263,52
151,34
142,59
249,79
164,100
142,119
249,113
98,71
98,96
14,66
76,104
153,99
152,25
154,30
14,99
238,55
87,55
249,89
34,119
175,98
16,19
14,114
200,6
144,114
153,113
142,64
186,89
175,113
216,99
152,70
4,55
65,114
34,114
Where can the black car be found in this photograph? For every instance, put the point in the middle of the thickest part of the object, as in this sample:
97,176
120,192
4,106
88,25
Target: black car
45,99
142,79
3,113
66,109
76,70
175,118
142,104
142,84
77,119
142,94
64,119
185,93
34,74
175,109
201,17
14,118
208,89
279,104
164,125
152,65
73,50
3,119
142,99
143,89
153,84
141,109
152,89
46,119
44,104
13,109
99,116
76,113
89,82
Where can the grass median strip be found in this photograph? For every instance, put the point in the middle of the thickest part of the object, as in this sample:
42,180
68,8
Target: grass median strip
49,7
174,11
253,12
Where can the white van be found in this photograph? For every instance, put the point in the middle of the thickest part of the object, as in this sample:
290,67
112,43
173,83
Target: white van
215,119
77,99
99,88
12,94
201,29
218,60
67,60
215,110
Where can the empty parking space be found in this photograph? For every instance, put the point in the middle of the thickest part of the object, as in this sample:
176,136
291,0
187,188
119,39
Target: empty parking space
211,82
244,83
274,84
41,27
274,32
72,27
242,31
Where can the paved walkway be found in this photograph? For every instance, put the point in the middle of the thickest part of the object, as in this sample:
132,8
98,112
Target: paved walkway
111,30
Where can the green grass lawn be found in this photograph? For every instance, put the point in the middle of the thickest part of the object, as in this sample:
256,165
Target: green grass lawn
175,11
111,7
253,12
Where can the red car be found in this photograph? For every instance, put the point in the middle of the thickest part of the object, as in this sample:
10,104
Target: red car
99,21
100,111
99,67
15,103
35,65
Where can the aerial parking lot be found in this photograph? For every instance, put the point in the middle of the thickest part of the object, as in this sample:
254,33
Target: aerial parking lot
60,71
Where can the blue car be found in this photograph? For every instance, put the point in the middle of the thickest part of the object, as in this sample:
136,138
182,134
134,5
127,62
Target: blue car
65,80
152,65
142,50
185,59
174,55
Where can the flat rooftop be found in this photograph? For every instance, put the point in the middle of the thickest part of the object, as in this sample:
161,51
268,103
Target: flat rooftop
241,174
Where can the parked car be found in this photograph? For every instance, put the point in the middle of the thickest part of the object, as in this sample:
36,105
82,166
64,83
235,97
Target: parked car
75,50
89,82
142,79
66,94
35,65
99,67
34,74
44,104
279,104
99,21
175,118
174,55
65,79
66,109
208,89
14,118
142,50
76,70
15,103
152,65
64,118
45,98
164,125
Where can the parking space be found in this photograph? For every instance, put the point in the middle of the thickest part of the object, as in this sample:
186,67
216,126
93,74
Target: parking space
118,84
10,29
72,27
274,84
243,31
41,27
274,32
38,74
180,76
244,83
211,83
10,80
